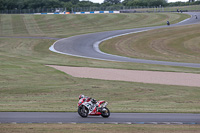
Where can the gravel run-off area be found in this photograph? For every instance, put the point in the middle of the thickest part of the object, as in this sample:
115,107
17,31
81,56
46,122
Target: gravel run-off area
154,77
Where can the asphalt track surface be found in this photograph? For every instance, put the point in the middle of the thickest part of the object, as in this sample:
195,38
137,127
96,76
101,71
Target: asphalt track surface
115,118
87,46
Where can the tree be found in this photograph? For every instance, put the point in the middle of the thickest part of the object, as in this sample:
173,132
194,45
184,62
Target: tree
65,0
10,4
112,2
68,5
53,4
85,4
72,1
144,2
1,4
156,2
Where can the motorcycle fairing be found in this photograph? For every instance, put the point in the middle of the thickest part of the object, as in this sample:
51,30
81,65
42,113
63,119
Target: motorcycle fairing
92,108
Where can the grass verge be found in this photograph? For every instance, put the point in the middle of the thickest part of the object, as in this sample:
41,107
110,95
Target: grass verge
28,85
72,24
178,44
106,128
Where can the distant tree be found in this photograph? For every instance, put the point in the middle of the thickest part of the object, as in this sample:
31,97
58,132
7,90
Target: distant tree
1,4
53,4
144,2
10,4
72,1
68,5
75,1
112,2
22,4
34,4
156,2
65,0
85,4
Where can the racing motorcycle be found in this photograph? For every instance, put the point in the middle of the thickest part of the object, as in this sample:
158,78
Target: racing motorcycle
89,106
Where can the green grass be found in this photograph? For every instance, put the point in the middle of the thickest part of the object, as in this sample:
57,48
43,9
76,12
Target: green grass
179,44
26,84
97,128
183,8
69,25
169,9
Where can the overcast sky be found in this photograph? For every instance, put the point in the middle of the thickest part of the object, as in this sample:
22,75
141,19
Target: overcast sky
100,1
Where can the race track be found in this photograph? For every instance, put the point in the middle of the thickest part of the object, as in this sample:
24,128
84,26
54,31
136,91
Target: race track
87,45
115,118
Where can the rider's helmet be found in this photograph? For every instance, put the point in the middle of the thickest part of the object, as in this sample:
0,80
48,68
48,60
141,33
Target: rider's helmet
81,96
93,101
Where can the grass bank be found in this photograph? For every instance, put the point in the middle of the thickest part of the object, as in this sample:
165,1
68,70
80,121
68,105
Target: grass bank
28,85
72,24
178,44
106,128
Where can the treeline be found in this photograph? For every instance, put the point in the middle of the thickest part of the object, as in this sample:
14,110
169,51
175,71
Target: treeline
69,4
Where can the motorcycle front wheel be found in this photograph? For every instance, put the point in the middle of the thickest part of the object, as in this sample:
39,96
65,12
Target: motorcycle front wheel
105,112
82,111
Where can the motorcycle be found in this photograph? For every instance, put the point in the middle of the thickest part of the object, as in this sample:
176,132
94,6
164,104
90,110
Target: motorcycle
88,106
168,23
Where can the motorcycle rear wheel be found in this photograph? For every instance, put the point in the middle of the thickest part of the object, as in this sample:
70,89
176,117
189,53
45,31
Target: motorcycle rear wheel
106,113
83,112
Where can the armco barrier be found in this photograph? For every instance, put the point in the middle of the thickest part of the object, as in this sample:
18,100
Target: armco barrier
92,12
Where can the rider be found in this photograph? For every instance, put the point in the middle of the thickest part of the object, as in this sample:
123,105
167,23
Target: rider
87,98
81,96
94,102
168,23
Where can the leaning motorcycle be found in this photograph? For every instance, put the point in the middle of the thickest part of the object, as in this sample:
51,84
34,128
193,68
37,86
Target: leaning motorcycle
87,106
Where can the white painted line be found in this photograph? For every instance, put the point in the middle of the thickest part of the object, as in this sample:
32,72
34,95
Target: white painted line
96,47
166,123
177,123
183,21
129,123
154,123
53,50
111,123
100,123
96,44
